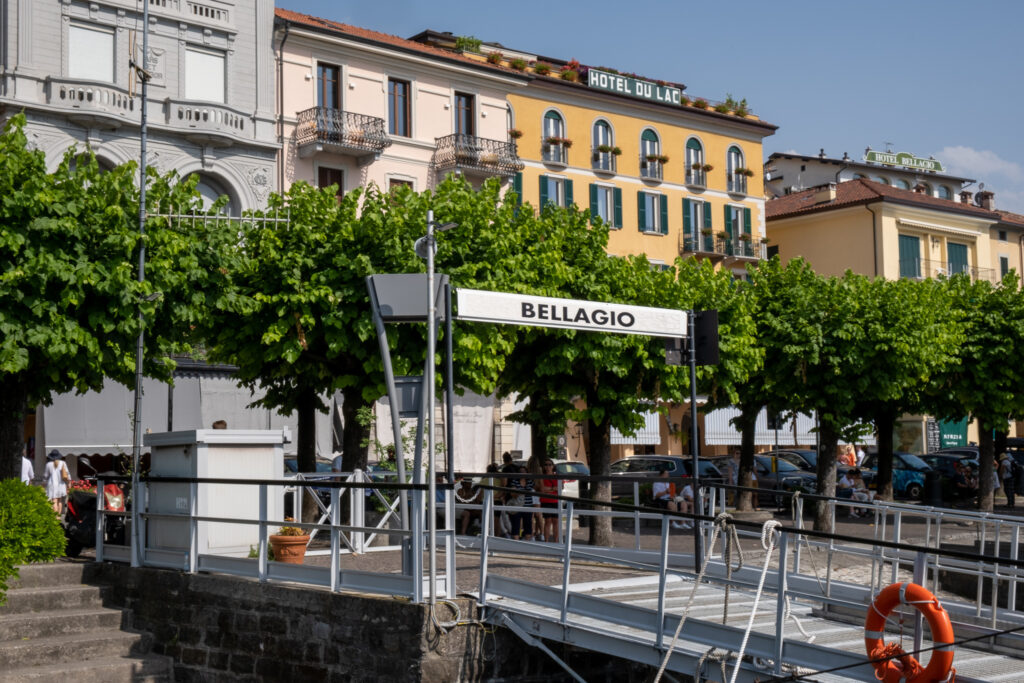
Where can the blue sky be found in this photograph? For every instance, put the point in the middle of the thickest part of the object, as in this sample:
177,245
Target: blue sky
932,78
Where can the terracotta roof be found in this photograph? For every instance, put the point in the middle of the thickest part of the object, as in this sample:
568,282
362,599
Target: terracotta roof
366,35
1008,217
863,191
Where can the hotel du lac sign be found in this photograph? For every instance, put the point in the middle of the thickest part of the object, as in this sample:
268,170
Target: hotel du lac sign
544,311
635,87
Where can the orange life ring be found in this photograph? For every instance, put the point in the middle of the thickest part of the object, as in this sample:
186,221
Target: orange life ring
901,666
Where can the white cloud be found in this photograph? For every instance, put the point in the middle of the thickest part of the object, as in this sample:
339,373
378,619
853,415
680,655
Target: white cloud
1004,178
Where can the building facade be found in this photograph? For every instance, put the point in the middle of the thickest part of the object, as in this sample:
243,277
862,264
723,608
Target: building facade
359,107
210,111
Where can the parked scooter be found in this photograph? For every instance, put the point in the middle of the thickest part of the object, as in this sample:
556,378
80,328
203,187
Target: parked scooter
80,518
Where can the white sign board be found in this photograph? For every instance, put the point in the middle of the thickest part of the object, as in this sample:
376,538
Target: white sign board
543,311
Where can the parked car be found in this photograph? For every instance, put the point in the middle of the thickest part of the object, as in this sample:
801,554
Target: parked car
943,462
907,473
778,471
572,487
651,466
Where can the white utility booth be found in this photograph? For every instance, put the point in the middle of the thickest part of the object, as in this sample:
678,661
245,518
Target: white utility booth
216,454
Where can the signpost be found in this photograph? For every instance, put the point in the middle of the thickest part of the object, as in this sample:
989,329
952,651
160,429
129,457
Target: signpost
903,159
635,87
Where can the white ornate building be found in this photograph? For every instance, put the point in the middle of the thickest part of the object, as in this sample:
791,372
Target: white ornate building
65,63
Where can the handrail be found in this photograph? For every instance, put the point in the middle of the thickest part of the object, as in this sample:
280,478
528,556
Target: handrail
330,126
469,152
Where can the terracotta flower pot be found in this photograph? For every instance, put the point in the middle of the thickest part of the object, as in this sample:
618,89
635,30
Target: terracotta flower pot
290,549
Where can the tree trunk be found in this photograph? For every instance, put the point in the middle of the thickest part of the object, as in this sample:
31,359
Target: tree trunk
600,464
884,425
748,430
353,453
538,442
826,475
986,455
306,455
13,408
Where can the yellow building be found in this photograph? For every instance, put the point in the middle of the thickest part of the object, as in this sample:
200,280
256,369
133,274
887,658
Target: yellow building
671,175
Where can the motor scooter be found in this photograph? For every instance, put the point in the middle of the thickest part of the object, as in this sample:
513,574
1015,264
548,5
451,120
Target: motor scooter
80,518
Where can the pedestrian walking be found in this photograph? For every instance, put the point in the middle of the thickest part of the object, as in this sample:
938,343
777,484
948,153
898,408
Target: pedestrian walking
56,479
1007,470
28,472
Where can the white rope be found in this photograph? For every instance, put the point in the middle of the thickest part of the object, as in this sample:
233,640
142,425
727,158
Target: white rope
721,522
714,657
768,534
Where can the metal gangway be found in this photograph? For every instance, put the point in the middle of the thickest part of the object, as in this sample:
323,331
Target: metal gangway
767,601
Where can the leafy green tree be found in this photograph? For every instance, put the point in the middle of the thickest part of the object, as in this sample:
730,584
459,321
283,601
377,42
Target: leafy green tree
986,378
68,291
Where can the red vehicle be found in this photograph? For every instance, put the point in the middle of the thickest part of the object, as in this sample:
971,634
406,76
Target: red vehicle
80,518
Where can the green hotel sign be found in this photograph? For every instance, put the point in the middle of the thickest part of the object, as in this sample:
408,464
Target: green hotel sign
602,80
903,159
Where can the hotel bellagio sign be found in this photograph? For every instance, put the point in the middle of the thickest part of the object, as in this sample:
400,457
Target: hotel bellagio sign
903,159
634,87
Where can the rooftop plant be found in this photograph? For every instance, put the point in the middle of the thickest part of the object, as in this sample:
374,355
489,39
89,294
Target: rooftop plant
494,57
542,68
467,43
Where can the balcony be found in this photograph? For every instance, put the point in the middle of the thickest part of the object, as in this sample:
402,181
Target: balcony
696,176
745,249
324,129
603,161
651,169
552,152
91,104
479,156
208,122
919,269
737,183
715,246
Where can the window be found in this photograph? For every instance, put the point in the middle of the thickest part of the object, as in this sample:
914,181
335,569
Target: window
328,86
859,176
204,75
553,149
650,150
910,256
395,183
901,184
554,190
1002,235
604,160
90,54
697,222
652,212
399,122
326,176
1004,266
944,192
956,255
606,204
736,180
880,179
695,174
738,228
464,114
210,190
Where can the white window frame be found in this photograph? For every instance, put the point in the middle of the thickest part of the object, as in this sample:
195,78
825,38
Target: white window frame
75,63
556,190
608,192
652,212
734,159
191,94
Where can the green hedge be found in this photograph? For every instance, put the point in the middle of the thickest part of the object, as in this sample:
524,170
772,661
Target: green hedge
29,530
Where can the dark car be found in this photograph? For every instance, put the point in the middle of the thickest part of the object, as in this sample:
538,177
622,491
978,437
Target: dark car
908,472
651,466
944,463
777,471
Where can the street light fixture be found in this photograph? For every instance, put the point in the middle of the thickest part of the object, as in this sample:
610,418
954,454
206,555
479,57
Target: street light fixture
426,247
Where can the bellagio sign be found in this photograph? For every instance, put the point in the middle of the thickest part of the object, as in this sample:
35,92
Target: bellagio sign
541,311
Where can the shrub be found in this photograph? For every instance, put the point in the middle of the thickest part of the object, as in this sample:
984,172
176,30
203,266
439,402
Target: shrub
517,63
700,103
570,75
29,530
722,108
542,68
494,57
467,43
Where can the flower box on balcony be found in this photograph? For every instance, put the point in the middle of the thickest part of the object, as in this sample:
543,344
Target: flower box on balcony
514,133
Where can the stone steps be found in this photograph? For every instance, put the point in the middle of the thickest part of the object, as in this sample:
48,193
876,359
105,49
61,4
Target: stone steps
53,626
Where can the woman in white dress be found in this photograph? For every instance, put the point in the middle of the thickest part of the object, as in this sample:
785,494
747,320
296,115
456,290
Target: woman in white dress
56,479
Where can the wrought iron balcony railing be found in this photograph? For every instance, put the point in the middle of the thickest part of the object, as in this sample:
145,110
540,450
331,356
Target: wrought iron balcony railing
918,269
737,183
696,176
603,161
340,131
651,169
477,155
716,246
554,153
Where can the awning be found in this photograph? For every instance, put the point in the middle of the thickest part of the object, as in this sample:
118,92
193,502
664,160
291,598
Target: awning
718,430
649,434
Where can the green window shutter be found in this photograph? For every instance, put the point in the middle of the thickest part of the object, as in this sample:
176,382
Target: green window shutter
663,201
593,202
517,187
687,226
618,207
568,192
707,215
728,220
543,192
641,212
910,256
746,222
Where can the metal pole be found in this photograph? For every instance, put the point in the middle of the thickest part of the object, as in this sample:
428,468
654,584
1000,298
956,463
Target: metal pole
136,554
698,551
431,503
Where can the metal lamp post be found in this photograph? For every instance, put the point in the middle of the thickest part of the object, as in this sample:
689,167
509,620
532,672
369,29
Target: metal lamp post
429,245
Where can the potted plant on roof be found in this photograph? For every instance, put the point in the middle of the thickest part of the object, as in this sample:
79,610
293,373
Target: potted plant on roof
517,63
542,68
494,57
289,544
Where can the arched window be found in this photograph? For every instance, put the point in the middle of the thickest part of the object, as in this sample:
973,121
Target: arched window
603,144
901,184
736,178
211,189
695,174
650,154
944,192
555,145
859,176
880,179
